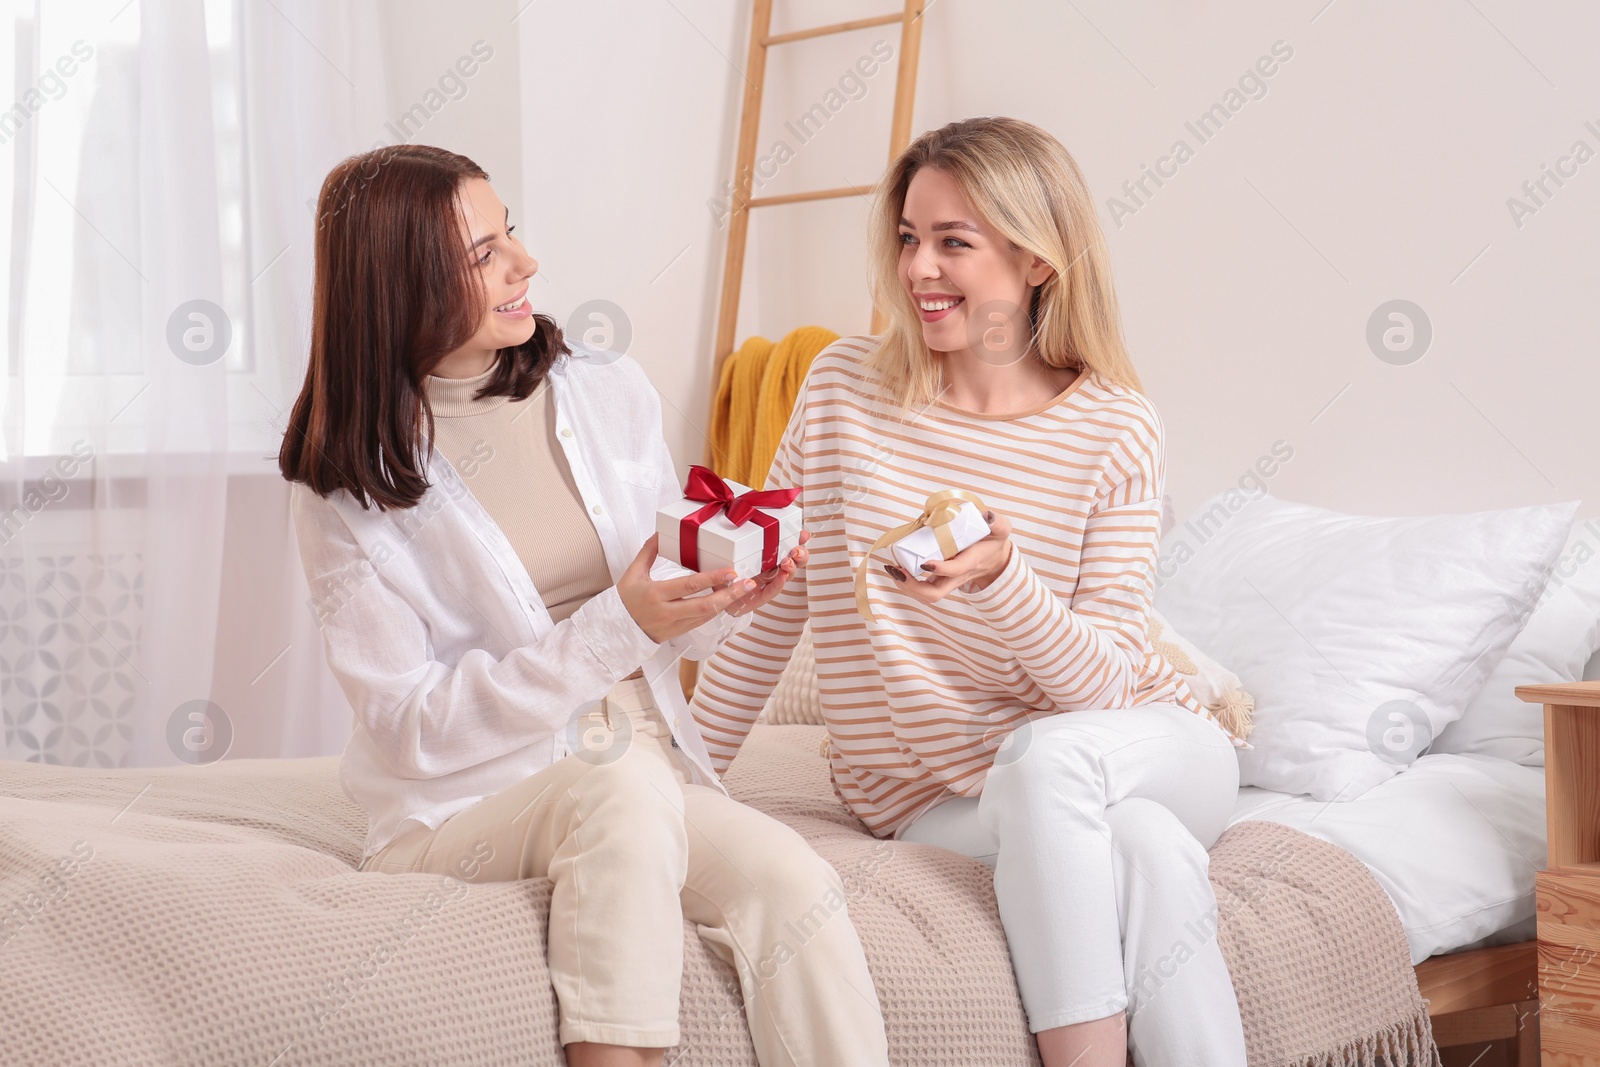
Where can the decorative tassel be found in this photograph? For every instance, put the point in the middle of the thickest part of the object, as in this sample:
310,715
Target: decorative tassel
1236,712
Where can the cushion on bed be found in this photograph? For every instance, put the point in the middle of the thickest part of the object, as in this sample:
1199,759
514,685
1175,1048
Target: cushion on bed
795,700
1560,640
1360,638
1214,685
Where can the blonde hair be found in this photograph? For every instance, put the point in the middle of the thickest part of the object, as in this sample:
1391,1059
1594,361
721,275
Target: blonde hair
1027,187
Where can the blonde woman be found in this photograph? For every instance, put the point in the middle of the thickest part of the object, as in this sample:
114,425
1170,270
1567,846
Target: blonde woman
473,495
1009,706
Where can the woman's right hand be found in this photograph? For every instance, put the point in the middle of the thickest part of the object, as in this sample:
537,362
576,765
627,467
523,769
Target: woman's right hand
665,609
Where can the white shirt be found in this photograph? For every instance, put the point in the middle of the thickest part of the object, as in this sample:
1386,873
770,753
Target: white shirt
461,682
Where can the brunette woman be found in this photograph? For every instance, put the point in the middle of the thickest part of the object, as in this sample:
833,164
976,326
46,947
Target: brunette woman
474,497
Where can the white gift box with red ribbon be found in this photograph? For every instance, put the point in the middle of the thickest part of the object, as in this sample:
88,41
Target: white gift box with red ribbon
738,528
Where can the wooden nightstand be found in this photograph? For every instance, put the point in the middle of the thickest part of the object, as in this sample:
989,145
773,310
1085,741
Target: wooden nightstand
1569,888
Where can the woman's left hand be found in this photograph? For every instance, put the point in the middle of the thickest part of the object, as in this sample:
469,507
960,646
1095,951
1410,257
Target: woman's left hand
768,583
969,570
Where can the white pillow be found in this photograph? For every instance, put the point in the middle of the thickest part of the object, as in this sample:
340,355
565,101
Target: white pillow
1360,638
795,700
1561,636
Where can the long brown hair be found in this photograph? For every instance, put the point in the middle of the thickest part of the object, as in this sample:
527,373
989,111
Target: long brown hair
1027,186
395,292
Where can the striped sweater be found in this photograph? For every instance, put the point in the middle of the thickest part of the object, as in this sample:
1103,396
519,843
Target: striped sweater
917,701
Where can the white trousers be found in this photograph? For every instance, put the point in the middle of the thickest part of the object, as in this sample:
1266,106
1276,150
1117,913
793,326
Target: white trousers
1097,824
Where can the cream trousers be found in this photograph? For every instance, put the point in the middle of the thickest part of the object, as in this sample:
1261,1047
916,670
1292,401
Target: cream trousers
633,850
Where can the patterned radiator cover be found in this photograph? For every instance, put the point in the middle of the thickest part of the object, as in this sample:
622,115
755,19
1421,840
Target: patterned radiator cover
70,626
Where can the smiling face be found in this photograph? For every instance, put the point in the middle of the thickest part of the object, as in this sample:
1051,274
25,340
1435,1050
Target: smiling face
506,270
972,287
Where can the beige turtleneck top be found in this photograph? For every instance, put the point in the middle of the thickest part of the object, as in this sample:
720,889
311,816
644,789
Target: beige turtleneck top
506,451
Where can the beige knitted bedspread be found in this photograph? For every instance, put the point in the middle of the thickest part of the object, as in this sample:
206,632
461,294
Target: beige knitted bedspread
213,916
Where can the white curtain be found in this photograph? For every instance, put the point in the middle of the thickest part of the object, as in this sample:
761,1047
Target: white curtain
160,163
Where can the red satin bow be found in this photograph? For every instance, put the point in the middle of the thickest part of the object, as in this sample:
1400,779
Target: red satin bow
705,484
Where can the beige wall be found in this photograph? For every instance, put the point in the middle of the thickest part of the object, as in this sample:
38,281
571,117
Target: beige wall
1377,165
425,41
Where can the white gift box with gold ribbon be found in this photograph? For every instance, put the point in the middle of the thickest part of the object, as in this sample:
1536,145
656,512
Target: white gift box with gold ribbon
951,520
963,528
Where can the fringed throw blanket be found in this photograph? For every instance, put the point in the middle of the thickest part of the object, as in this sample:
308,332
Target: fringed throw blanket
1318,958
212,915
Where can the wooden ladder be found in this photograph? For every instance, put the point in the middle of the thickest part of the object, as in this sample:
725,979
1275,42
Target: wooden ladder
761,39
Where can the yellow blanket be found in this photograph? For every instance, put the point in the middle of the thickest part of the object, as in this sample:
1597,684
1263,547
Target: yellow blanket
755,395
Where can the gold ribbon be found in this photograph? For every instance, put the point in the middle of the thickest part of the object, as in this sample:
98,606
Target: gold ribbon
937,513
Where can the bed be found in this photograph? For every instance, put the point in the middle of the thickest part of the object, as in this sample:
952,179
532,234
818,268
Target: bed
214,915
